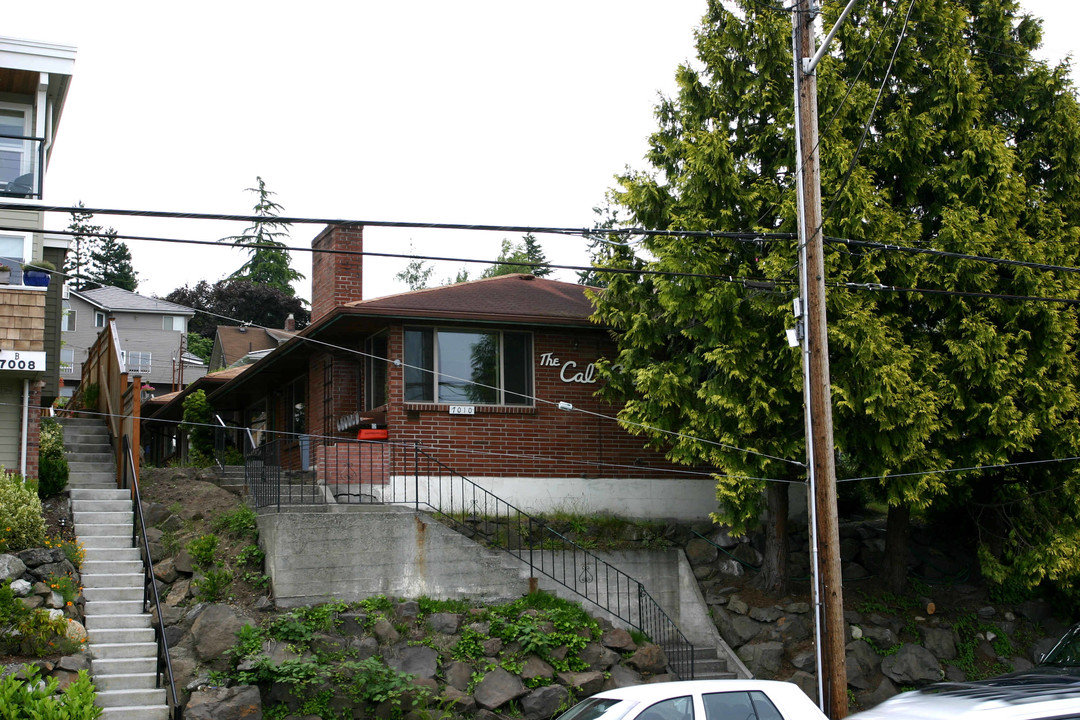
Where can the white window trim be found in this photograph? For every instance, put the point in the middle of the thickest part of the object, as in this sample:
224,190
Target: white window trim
26,163
68,318
502,391
137,367
100,315
67,367
28,243
172,323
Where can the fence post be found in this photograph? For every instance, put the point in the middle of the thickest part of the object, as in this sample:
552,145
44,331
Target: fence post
416,475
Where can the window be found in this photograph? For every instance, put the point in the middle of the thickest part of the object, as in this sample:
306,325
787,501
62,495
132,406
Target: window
67,361
375,350
67,320
468,367
754,705
16,247
137,362
16,156
296,406
680,708
173,322
99,319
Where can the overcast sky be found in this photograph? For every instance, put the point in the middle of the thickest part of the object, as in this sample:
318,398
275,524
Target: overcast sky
488,112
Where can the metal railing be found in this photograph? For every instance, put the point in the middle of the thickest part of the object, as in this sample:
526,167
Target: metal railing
356,471
21,166
130,481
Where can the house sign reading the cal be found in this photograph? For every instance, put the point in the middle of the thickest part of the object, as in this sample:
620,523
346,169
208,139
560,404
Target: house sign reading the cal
568,371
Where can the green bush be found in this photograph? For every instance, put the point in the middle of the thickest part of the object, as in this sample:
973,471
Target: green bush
53,468
241,523
198,416
203,550
35,699
211,585
21,523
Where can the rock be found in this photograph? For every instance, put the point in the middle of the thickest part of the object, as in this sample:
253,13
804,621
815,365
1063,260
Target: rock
587,683
747,555
384,632
183,563
853,571
407,610
737,630
232,703
157,552
769,614
492,647
701,552
74,663
1020,664
169,615
1035,611
955,674
54,600
986,613
214,632
797,608
805,661
598,657
165,571
649,659
862,664
11,568
622,676
264,604
154,513
462,703
446,623
793,628
171,524
882,692
806,682
882,637
535,669
762,657
418,660
544,702
75,631
704,572
365,647
498,688
21,588
154,535
32,601
459,675
178,593
618,640
912,665
737,605
940,642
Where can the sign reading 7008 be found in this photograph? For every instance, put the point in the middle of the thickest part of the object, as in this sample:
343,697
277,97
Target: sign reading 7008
24,360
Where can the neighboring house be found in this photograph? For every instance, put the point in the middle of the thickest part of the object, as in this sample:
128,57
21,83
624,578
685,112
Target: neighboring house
403,363
233,343
34,79
153,336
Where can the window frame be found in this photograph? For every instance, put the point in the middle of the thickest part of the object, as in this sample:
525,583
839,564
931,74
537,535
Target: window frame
432,395
290,407
172,323
68,319
25,149
129,363
99,319
67,367
27,244
376,352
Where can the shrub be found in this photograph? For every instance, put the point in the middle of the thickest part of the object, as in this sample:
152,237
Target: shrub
21,523
53,468
241,522
37,699
203,550
198,416
211,585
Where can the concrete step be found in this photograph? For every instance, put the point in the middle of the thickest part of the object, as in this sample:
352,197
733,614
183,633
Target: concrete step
99,554
85,506
123,666
130,681
116,621
114,651
92,542
84,530
114,636
91,454
118,517
113,580
112,593
109,567
137,712
129,698
113,493
92,476
104,608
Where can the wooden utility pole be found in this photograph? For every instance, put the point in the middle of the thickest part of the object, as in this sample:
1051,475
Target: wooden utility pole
832,673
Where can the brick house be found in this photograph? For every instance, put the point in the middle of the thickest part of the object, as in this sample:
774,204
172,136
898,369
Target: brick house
492,377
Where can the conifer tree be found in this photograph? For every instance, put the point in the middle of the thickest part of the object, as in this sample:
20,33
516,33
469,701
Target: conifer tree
938,130
269,262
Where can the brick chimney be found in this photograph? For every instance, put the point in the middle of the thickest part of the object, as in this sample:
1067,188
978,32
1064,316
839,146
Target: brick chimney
290,323
336,279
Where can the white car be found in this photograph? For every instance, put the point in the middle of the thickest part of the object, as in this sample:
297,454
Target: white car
1019,696
699,700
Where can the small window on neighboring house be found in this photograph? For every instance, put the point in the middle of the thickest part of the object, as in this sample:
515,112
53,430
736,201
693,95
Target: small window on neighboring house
173,322
137,362
67,320
67,361
15,248
99,319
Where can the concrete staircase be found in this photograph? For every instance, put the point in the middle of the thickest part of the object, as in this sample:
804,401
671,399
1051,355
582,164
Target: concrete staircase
123,650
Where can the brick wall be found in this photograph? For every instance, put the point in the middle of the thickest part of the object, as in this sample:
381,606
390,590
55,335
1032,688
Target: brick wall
33,434
336,279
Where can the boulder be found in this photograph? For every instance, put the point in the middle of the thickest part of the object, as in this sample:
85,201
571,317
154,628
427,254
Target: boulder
940,642
165,571
459,675
183,563
11,567
587,682
862,663
75,631
618,640
36,557
598,657
536,669
737,630
621,676
879,694
701,552
544,702
384,632
912,665
233,703
154,513
498,688
214,632
649,659
418,660
446,623
806,682
460,702
21,588
762,657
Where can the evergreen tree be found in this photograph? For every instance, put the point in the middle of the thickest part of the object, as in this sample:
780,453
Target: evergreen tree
111,263
529,251
78,263
269,261
972,148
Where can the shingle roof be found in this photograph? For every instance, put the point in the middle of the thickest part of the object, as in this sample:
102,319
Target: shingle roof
236,341
114,298
519,298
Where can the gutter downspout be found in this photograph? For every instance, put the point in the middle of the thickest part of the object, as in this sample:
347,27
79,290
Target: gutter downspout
25,427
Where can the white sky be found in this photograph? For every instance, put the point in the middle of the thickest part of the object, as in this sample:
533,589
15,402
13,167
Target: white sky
478,111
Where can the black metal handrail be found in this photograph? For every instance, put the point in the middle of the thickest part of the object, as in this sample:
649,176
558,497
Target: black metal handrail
149,584
358,471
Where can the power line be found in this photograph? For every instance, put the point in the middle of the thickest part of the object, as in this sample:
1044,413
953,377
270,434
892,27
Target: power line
950,254
963,469
878,287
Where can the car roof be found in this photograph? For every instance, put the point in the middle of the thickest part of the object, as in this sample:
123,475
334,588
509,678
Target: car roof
1026,696
655,691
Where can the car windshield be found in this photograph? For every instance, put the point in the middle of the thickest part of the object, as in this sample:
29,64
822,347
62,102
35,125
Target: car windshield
1067,651
595,708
